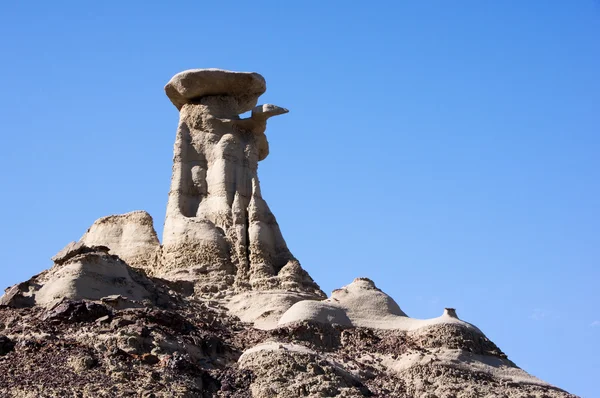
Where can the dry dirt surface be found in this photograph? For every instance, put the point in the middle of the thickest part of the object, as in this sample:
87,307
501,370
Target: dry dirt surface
192,348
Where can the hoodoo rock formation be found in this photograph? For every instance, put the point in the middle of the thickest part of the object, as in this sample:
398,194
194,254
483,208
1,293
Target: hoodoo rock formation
221,307
218,226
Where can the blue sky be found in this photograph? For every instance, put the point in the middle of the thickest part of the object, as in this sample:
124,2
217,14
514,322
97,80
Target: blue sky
447,150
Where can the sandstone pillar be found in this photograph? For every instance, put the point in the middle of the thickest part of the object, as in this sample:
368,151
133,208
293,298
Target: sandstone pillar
218,230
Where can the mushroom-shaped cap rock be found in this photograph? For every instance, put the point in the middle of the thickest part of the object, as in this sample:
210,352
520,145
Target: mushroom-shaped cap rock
193,84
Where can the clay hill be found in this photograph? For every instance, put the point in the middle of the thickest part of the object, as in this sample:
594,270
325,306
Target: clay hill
222,308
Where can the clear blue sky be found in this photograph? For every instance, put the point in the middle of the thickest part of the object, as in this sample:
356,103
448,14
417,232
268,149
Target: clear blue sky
448,150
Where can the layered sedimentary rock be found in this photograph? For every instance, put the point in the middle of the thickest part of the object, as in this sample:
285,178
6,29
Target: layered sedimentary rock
222,308
341,343
219,232
131,236
362,304
83,272
218,228
189,348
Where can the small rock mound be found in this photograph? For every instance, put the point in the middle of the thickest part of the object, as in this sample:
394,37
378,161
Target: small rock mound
82,272
362,298
131,236
353,305
362,304
264,308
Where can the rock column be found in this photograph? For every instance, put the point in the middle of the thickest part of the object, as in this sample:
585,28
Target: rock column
218,230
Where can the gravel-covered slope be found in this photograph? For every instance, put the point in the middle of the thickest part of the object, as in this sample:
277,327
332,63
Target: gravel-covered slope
193,348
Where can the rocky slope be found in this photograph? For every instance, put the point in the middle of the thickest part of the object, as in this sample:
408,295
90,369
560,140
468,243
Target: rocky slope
222,308
181,346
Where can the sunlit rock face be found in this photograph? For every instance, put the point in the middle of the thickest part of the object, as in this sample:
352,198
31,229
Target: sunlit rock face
219,231
223,308
131,236
83,272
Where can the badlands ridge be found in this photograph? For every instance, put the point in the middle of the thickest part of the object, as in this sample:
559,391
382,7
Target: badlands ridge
221,307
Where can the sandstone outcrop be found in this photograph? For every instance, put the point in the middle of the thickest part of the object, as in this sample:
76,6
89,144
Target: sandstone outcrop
264,309
219,232
131,236
83,272
218,228
221,307
362,304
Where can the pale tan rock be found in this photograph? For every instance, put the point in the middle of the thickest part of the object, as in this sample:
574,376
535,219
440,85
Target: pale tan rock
362,304
284,369
451,349
257,124
81,272
452,372
316,311
218,229
191,85
74,249
131,236
264,308
91,276
222,241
